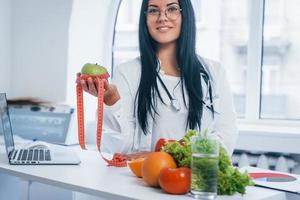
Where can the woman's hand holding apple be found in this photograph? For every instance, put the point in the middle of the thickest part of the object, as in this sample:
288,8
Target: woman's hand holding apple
111,94
89,84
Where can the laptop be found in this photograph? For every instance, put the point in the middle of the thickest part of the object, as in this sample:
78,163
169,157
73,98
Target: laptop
35,154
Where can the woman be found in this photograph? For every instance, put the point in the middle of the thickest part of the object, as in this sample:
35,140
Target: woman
168,89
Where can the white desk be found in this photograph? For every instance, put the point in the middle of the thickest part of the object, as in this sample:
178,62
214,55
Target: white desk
93,177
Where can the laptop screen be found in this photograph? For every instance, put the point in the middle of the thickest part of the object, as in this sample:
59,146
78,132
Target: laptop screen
5,125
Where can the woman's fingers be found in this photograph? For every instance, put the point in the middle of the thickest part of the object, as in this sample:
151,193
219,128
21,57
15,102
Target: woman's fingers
88,86
106,84
92,88
84,85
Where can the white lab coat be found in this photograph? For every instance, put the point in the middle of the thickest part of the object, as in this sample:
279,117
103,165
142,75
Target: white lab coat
121,132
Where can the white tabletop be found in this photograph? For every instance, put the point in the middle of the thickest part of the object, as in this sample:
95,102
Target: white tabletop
93,177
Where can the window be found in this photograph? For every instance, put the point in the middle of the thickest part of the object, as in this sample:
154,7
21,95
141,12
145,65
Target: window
280,69
254,40
125,45
222,35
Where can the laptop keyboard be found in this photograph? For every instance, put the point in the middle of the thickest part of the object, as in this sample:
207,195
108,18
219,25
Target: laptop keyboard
33,155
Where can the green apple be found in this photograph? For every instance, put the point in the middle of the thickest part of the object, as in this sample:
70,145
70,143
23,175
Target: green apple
93,69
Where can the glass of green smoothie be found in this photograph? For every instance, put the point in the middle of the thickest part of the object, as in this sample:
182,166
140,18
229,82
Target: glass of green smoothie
204,166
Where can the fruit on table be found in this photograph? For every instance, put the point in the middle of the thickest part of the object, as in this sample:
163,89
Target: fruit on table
161,143
175,180
153,164
136,166
93,69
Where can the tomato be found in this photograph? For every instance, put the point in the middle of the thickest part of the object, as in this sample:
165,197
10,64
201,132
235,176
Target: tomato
175,180
153,164
161,143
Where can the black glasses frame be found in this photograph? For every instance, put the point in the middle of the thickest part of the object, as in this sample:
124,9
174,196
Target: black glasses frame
146,13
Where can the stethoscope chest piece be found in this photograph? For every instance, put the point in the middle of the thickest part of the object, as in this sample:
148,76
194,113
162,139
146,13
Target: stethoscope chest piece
175,104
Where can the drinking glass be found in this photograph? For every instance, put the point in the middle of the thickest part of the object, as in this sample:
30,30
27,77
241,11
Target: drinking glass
204,166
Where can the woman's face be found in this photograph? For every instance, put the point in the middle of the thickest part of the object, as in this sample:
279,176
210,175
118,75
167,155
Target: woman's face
164,20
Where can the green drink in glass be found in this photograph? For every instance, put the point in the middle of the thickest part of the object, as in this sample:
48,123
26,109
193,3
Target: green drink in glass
204,166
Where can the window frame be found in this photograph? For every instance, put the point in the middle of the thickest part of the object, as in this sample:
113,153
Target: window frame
254,60
254,73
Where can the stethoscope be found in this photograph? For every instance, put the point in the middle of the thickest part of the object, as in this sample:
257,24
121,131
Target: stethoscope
174,102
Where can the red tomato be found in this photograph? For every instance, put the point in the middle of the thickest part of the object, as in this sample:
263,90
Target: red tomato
175,180
161,143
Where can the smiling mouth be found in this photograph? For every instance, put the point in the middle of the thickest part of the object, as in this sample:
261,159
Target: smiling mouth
164,28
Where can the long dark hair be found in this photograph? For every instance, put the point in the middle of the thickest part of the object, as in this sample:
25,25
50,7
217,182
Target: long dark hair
191,69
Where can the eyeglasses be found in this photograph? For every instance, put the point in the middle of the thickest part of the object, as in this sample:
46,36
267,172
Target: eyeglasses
172,12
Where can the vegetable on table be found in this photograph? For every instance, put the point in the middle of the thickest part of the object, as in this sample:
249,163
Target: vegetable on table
175,180
230,179
161,143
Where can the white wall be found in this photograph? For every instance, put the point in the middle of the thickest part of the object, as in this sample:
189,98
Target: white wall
40,31
5,45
